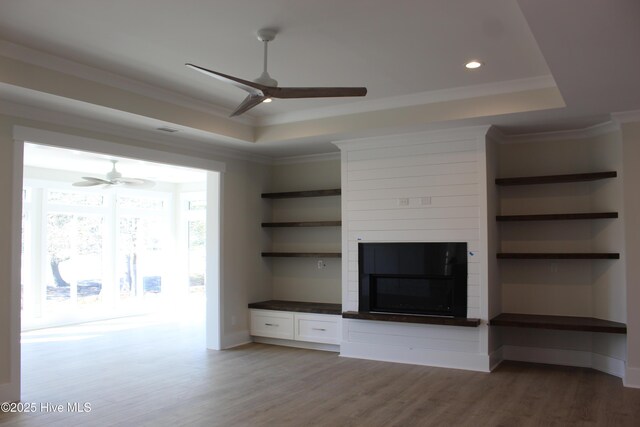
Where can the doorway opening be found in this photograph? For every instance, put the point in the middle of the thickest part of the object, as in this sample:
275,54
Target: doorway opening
96,248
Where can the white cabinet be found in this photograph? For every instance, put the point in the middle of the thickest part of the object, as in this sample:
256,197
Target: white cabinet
309,327
322,328
272,324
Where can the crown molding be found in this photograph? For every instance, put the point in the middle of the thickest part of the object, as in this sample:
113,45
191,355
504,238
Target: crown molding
422,98
588,132
56,63
415,138
309,158
626,116
496,135
171,141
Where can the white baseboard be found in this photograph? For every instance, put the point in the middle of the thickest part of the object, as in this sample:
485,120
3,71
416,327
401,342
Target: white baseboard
554,356
298,344
236,339
495,359
632,377
416,356
608,365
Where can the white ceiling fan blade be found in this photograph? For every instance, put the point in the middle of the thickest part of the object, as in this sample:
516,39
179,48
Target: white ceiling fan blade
133,181
114,178
87,183
96,180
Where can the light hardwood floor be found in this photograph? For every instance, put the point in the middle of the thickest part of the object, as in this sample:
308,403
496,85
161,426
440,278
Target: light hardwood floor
149,372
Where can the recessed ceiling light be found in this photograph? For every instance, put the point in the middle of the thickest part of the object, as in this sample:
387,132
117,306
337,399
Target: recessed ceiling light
473,64
267,100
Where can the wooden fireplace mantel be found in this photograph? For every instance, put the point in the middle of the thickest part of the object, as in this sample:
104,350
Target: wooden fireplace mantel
412,318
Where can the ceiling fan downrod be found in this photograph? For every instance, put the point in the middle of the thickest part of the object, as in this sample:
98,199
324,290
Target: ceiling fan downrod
265,36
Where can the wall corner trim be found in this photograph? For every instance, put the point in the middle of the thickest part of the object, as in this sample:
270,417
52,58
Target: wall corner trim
632,377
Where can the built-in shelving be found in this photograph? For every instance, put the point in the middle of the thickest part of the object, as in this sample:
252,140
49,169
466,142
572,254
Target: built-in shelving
567,323
287,224
412,318
302,254
558,255
298,306
554,217
302,224
328,329
556,179
297,194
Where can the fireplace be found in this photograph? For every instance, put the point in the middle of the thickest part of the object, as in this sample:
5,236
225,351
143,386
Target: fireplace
413,278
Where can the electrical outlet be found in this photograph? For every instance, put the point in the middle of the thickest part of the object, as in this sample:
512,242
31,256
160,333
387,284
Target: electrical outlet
403,201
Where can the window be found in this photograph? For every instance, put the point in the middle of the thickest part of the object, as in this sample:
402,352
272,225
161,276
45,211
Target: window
140,202
74,257
140,256
72,198
194,214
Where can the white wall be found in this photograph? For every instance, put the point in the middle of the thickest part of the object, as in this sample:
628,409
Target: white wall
243,275
9,312
494,294
449,168
631,170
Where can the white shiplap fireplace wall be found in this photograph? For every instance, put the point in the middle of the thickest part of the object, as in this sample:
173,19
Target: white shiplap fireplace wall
443,176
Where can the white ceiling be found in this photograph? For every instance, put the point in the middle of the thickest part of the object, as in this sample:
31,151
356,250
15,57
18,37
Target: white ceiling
394,48
98,165
406,52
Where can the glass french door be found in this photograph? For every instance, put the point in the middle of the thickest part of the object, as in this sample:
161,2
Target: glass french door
74,260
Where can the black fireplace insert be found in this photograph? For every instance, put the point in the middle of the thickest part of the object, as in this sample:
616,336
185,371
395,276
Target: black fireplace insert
413,278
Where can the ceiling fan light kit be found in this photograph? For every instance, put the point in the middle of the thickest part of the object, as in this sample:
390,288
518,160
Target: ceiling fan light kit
264,88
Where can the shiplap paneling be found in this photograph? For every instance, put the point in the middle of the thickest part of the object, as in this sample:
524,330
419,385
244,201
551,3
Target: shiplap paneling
441,176
419,160
470,200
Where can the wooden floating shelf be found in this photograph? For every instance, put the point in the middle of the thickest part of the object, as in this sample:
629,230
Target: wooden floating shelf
298,306
302,254
412,318
553,217
303,224
295,194
567,323
557,255
554,179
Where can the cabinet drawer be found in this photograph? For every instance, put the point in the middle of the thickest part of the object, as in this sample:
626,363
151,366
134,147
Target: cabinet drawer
317,328
273,324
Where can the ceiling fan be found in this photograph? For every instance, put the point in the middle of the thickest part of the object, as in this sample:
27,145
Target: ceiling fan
264,87
114,178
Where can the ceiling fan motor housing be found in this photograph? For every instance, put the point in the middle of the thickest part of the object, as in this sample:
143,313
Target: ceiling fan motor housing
267,34
114,174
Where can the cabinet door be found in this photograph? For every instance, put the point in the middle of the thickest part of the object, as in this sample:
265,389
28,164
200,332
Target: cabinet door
320,328
273,324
